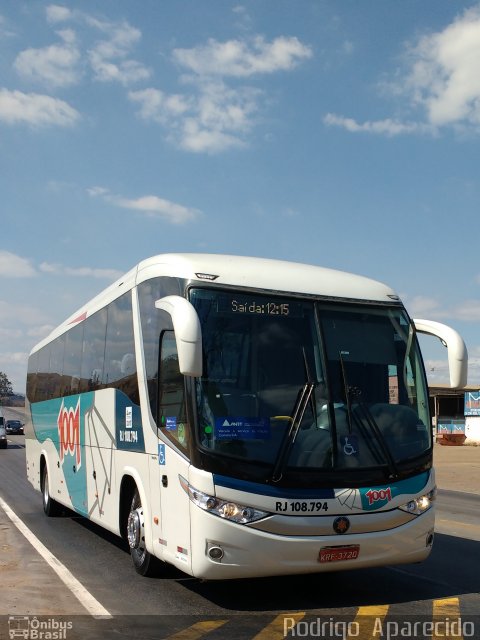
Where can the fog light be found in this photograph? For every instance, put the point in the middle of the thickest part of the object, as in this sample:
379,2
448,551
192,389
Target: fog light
215,553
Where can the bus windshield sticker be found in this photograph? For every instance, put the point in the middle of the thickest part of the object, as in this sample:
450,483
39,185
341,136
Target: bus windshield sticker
350,445
171,423
242,428
181,433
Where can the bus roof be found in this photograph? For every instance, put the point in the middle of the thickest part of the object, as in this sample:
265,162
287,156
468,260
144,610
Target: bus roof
240,271
265,273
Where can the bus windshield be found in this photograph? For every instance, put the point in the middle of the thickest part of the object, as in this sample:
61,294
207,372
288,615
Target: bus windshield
300,385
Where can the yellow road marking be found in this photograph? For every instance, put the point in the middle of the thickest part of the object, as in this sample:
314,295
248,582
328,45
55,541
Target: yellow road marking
446,610
369,620
368,623
280,627
197,630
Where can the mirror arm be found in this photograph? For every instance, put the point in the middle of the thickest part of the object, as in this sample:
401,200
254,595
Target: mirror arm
457,351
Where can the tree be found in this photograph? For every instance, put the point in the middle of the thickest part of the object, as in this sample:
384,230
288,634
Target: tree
6,388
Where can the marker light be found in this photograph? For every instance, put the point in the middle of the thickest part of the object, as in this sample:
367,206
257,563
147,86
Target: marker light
420,505
228,510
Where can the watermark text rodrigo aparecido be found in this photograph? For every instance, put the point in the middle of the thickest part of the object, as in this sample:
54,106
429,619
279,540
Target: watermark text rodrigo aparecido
379,628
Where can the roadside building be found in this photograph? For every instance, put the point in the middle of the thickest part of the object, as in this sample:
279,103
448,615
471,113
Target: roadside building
455,414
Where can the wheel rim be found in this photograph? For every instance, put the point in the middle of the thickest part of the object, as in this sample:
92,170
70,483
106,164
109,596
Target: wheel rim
134,529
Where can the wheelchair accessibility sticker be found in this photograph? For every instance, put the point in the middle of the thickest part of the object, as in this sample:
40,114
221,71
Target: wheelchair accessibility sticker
161,453
349,445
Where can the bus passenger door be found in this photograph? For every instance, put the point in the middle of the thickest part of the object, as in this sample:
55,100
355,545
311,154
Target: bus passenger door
173,436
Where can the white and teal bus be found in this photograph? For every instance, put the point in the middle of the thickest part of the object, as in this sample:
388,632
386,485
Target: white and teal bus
240,417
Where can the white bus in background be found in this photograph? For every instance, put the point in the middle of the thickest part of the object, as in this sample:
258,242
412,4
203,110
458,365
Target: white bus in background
240,417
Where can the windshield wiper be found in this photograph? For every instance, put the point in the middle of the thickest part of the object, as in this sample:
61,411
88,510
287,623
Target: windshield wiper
380,438
369,419
290,436
346,388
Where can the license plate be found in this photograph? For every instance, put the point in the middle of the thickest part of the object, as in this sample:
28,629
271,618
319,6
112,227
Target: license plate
337,554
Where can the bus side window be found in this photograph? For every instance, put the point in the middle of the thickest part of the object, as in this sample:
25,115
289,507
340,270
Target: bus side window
172,419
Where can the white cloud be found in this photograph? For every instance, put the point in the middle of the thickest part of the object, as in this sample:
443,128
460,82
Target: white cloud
152,206
158,106
126,72
468,311
109,58
159,207
474,365
423,307
437,371
7,333
199,139
213,116
14,364
56,65
79,272
35,109
13,266
431,308
97,191
63,64
240,58
57,13
13,315
444,77
440,83
386,127
14,357
213,119
40,332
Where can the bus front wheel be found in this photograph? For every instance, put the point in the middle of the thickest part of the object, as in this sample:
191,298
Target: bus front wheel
143,561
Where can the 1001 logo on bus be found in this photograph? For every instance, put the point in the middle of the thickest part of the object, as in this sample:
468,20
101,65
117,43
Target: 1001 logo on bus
374,495
68,423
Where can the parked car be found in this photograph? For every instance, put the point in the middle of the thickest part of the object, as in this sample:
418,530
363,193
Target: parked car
14,426
3,437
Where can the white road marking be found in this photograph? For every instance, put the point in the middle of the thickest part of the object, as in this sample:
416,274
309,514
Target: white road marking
92,605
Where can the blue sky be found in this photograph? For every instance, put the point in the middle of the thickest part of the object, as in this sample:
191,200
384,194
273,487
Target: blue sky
344,134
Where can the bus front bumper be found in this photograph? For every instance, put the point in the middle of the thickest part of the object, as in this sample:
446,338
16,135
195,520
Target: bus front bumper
225,550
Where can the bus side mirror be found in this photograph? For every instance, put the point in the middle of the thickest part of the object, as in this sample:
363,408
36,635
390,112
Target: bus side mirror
457,351
188,333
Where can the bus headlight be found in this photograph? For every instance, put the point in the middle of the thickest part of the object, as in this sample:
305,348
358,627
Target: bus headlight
420,505
232,511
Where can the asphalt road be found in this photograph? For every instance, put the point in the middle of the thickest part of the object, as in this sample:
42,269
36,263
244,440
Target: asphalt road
180,607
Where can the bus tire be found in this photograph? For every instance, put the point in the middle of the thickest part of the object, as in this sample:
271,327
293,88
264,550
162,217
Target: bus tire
51,508
145,564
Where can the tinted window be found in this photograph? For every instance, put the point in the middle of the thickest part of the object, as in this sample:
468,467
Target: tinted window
153,322
93,351
120,369
32,377
57,350
72,360
95,354
172,418
43,374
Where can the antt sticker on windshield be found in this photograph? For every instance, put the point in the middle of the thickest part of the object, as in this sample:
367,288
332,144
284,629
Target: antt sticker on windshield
242,428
